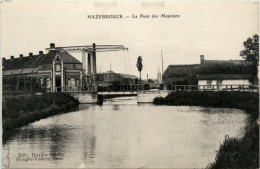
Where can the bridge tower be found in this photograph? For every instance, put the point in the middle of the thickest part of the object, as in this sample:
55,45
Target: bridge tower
89,65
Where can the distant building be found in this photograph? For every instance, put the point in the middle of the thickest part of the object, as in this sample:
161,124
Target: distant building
225,72
181,74
210,72
111,77
107,77
54,71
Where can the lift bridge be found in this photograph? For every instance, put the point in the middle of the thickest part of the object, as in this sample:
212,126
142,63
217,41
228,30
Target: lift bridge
90,92
89,66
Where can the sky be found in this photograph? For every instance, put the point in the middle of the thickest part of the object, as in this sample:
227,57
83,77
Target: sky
216,30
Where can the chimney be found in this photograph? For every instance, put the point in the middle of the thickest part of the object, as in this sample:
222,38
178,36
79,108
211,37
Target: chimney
40,52
201,59
30,54
12,57
52,45
21,55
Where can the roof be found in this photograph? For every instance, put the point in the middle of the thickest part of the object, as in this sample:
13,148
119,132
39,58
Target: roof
210,69
181,74
127,76
227,67
180,70
19,63
224,76
223,61
120,74
64,56
36,60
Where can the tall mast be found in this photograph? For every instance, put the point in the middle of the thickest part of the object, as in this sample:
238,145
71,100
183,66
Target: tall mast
162,63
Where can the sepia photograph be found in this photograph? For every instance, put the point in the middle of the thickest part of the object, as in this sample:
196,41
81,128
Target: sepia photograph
129,84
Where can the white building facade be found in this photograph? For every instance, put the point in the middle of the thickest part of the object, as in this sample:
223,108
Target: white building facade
224,81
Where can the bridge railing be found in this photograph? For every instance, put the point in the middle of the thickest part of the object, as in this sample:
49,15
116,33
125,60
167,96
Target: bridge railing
141,87
123,88
241,88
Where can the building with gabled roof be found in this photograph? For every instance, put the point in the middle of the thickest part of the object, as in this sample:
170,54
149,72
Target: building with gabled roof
53,71
210,72
111,77
181,74
225,72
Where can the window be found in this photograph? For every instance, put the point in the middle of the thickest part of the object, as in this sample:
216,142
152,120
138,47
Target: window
219,82
42,82
209,82
48,83
71,82
58,68
77,82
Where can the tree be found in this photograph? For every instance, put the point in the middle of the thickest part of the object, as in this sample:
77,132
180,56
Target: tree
151,81
139,65
251,53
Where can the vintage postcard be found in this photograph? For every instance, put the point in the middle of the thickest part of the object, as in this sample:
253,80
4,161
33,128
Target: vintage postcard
130,84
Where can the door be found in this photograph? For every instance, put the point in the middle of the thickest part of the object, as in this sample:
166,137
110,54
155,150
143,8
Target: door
209,83
58,84
219,84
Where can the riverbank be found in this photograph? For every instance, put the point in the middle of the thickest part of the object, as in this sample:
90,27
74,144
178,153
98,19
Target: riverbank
233,152
18,111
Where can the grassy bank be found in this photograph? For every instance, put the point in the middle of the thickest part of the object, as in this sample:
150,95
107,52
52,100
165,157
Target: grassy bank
239,153
241,100
233,152
21,110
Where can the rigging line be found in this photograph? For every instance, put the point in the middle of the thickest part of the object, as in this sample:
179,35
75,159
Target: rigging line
129,63
125,62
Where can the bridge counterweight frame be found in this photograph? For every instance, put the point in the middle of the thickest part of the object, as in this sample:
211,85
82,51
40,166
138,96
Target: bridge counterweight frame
89,67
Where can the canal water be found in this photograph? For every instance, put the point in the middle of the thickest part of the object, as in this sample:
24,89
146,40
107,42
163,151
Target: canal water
121,134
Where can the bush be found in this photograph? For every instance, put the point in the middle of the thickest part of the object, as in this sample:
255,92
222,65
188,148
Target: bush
21,110
241,100
239,153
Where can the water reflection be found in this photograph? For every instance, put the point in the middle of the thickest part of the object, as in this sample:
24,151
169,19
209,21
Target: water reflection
118,135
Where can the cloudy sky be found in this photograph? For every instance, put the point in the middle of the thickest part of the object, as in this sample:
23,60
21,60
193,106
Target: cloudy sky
215,29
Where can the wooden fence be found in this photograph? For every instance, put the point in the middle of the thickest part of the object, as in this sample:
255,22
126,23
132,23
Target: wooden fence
241,88
142,87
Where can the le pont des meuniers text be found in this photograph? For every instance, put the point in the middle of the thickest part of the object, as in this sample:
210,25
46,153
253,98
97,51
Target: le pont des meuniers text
120,16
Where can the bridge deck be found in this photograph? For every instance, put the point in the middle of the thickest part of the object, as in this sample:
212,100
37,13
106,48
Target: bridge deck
118,93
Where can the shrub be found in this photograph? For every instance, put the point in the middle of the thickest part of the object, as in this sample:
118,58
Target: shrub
20,110
241,100
239,153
